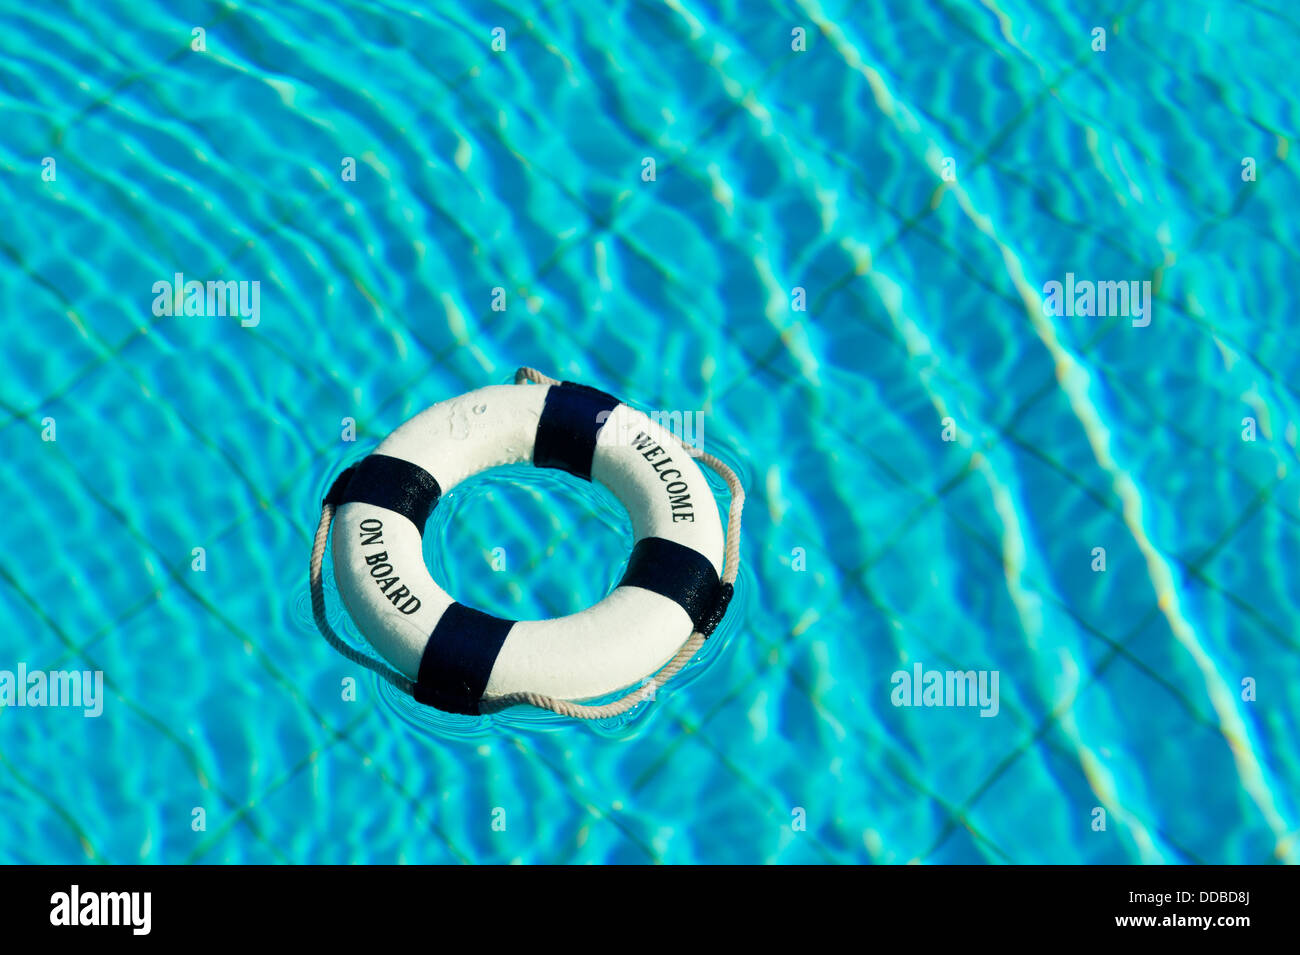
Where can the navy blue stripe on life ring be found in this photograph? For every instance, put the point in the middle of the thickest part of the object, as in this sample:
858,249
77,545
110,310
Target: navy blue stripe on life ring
572,417
679,573
394,484
458,659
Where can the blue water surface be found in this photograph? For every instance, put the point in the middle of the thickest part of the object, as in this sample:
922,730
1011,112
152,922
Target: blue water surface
839,262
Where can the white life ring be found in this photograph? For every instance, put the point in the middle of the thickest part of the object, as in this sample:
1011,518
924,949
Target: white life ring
458,658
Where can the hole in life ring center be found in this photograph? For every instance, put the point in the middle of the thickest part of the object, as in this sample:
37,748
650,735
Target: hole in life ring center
526,543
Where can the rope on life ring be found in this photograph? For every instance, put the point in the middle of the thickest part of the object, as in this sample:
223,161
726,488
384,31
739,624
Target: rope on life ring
730,569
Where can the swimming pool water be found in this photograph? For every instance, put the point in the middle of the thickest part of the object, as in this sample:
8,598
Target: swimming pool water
931,462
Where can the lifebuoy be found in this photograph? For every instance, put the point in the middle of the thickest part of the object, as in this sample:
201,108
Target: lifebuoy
462,660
